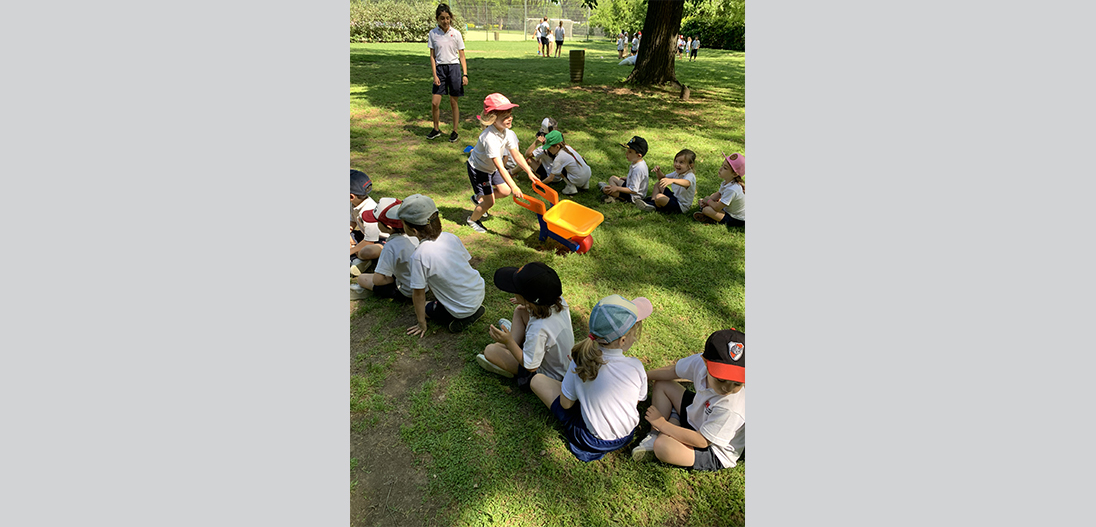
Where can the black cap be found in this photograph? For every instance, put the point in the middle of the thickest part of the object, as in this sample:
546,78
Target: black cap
535,281
725,355
360,185
638,144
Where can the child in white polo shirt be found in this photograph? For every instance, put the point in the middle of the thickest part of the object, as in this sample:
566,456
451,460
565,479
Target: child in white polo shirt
705,430
441,263
596,402
568,165
449,68
486,165
542,326
634,187
392,277
727,206
674,192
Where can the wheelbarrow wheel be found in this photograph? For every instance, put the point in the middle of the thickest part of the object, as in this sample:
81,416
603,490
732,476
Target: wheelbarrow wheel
584,243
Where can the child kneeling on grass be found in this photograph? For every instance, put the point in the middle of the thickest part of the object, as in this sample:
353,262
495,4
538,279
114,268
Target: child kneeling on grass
596,402
710,433
674,192
441,263
727,205
392,277
542,323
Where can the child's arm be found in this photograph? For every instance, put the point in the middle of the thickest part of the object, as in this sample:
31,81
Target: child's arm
682,435
503,337
434,68
419,297
665,373
360,245
463,69
506,174
707,201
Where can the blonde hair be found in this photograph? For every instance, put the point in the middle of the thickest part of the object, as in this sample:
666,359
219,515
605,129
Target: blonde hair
587,353
492,116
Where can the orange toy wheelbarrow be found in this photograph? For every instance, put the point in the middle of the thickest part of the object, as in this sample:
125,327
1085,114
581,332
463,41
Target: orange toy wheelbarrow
566,222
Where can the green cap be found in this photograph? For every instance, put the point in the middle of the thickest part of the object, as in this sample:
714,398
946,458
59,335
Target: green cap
553,138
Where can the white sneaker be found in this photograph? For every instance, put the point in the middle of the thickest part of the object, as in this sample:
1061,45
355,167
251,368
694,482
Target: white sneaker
601,185
475,225
646,448
643,205
490,366
354,269
504,324
569,189
585,186
358,292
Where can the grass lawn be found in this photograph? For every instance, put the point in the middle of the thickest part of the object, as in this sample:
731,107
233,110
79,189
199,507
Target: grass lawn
435,440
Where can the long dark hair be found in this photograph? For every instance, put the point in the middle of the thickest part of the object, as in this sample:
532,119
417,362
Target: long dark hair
442,8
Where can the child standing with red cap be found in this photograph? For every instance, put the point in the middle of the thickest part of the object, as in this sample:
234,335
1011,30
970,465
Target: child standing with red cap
596,402
486,166
710,433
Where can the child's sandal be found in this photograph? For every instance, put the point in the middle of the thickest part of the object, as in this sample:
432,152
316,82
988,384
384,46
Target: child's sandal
702,218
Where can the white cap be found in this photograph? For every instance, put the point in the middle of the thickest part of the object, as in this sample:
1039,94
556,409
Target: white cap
546,124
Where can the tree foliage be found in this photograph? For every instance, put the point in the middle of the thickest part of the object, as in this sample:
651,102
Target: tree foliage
395,21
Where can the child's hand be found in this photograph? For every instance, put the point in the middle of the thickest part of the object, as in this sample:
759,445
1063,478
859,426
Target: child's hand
500,335
658,170
418,329
663,183
655,417
540,139
437,82
607,189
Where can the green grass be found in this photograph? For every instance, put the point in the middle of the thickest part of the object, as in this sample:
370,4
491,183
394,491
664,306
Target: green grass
481,440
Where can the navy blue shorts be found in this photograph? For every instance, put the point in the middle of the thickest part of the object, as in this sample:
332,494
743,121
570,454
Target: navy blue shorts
482,181
731,222
450,77
584,444
389,291
673,207
703,458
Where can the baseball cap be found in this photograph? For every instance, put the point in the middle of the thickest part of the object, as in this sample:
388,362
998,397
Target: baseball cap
547,125
535,281
638,144
738,163
614,315
360,184
496,102
415,209
553,138
725,355
386,208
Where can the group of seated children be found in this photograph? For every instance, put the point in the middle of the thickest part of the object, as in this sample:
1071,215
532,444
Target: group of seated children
593,388
674,192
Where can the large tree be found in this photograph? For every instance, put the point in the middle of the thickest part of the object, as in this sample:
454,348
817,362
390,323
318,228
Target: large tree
658,47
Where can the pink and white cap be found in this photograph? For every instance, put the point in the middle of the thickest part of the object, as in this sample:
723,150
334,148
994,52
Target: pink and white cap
738,163
497,102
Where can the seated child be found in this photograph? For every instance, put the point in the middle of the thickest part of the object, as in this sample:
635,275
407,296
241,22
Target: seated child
568,166
706,430
678,198
542,324
596,402
440,262
635,187
537,156
727,205
365,236
392,277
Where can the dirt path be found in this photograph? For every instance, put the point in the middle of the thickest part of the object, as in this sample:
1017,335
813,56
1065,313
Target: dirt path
390,488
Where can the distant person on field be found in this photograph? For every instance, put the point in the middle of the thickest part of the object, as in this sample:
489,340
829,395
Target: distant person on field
620,46
544,30
540,338
560,33
680,46
706,429
392,276
442,264
567,166
634,187
674,192
695,47
449,68
635,44
727,205
597,400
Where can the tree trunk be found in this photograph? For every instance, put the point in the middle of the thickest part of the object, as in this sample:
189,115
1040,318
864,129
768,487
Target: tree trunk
658,47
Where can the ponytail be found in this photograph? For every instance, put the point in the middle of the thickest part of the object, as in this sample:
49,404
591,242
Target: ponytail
587,357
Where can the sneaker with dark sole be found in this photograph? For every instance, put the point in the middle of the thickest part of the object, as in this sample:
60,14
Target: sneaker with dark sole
491,367
453,137
476,225
462,324
643,205
434,134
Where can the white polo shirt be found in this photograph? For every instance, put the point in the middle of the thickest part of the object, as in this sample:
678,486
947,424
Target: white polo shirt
637,180
560,33
395,260
684,195
492,144
543,157
446,45
733,199
442,264
577,173
721,419
608,403
548,343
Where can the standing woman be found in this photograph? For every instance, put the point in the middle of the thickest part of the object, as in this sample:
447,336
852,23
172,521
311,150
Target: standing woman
560,33
449,67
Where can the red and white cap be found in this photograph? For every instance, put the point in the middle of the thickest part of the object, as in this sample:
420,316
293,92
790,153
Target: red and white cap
386,208
497,102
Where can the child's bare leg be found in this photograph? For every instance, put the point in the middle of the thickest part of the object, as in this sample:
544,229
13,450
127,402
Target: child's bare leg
371,280
716,215
669,450
370,252
486,201
435,110
546,388
456,111
662,200
501,191
666,396
500,356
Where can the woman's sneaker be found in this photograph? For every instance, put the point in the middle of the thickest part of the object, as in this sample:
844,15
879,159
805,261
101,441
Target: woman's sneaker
491,367
646,448
434,134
